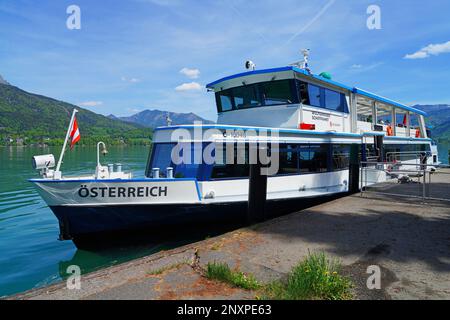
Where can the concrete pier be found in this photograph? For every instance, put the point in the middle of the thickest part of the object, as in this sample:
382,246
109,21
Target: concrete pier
408,240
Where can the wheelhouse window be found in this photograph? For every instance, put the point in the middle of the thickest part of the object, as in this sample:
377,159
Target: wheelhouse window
321,97
277,92
246,97
257,95
225,100
314,95
333,100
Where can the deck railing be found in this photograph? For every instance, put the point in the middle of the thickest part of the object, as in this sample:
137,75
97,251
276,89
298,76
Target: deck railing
418,156
400,179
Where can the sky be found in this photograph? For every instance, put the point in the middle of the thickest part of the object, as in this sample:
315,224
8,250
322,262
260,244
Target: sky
132,55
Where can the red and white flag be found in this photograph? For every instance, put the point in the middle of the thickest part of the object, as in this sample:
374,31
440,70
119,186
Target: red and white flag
75,134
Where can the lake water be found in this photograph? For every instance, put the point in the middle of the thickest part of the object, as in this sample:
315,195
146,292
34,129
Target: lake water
30,254
443,149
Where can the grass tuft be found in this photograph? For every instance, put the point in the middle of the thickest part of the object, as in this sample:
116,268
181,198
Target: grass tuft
160,271
314,278
223,273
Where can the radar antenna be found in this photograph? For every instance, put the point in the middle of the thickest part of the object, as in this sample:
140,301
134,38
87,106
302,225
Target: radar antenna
303,64
168,120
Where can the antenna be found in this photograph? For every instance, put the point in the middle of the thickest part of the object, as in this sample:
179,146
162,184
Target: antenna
168,120
303,64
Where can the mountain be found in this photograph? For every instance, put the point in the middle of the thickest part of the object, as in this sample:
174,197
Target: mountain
31,118
439,119
112,117
157,118
3,81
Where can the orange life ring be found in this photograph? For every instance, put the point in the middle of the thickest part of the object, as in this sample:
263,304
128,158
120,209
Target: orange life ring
418,133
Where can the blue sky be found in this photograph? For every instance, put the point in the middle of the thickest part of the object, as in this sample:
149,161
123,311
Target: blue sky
129,55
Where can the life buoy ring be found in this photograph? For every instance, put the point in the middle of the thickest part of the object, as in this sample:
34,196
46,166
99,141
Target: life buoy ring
418,133
390,132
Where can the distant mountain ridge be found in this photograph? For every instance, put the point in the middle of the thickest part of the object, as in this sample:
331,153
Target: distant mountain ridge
438,118
27,118
158,118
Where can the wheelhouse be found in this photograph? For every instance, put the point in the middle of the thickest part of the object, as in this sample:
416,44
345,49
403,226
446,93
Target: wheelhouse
291,97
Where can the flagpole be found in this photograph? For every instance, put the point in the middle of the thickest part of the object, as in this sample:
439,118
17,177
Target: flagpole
61,156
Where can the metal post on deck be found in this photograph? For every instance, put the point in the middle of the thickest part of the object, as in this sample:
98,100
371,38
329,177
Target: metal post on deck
257,193
424,184
354,170
363,167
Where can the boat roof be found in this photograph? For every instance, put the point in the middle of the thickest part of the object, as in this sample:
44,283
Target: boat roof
355,90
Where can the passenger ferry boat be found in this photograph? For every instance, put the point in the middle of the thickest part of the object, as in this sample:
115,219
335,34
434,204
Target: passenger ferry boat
313,124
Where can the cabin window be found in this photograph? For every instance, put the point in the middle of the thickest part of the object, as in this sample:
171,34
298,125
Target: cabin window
161,158
384,114
313,158
341,156
415,124
414,119
401,117
189,165
288,163
277,92
364,111
238,169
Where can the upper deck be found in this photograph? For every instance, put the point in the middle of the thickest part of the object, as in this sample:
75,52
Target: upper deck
290,97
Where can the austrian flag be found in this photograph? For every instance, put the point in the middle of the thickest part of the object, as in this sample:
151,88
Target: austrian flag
75,134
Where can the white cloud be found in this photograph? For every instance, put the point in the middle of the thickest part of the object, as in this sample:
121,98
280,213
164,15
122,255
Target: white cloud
130,80
90,104
363,68
430,50
190,73
193,86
